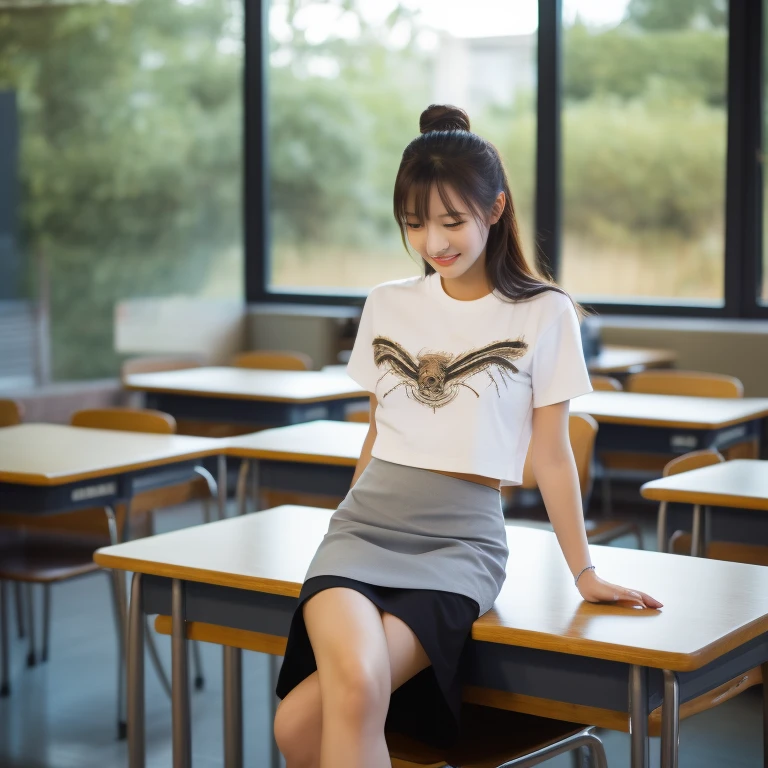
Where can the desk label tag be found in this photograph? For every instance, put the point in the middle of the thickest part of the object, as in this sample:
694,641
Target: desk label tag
94,491
684,442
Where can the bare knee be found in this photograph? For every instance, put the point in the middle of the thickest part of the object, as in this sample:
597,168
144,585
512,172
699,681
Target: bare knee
358,687
297,729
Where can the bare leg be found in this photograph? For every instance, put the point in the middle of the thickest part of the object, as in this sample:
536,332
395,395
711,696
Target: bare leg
299,721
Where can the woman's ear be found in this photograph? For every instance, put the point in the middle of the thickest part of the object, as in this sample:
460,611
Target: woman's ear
498,208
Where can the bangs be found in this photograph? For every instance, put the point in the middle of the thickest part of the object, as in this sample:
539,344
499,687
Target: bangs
414,186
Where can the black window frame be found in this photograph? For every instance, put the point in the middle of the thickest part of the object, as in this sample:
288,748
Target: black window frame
743,265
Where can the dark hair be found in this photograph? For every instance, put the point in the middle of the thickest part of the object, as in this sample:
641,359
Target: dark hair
447,153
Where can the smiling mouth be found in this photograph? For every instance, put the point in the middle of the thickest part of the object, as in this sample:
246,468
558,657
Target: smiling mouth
444,259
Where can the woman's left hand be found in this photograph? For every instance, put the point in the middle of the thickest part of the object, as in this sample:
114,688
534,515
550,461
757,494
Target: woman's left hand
596,590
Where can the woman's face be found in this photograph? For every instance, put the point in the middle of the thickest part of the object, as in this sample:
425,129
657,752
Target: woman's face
451,244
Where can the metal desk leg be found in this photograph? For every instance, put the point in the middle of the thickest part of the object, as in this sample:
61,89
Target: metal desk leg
222,483
764,668
212,489
275,662
638,716
121,620
670,721
233,708
136,715
182,738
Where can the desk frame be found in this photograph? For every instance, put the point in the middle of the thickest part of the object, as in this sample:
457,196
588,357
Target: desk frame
107,491
632,689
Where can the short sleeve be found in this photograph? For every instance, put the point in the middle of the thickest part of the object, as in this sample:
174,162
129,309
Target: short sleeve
361,367
559,371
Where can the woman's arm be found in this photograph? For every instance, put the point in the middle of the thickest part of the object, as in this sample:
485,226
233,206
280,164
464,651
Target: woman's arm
555,471
365,453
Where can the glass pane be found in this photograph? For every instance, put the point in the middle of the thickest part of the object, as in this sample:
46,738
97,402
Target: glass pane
129,164
644,150
348,81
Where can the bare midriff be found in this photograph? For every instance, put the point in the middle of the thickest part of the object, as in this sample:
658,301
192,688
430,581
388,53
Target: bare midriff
489,481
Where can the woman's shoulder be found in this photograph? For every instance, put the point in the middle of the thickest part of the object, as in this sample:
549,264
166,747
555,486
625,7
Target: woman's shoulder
396,288
550,303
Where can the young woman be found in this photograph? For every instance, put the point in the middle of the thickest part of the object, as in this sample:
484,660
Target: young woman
464,365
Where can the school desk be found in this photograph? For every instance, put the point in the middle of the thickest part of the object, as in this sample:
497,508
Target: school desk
741,484
50,468
316,457
247,396
541,649
671,424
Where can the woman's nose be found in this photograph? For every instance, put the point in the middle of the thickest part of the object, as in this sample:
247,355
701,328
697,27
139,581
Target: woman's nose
436,241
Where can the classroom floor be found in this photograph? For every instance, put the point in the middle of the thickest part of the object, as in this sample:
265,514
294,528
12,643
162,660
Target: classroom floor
62,714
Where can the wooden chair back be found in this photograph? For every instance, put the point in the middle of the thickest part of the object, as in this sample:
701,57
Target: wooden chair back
125,420
273,360
582,431
11,413
690,383
693,460
605,383
153,364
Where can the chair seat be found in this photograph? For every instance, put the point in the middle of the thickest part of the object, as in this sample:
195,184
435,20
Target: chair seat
489,738
46,558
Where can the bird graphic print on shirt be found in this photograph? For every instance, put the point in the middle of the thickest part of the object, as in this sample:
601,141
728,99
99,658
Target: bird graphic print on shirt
435,378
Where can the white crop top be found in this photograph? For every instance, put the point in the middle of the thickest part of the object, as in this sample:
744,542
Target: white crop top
456,381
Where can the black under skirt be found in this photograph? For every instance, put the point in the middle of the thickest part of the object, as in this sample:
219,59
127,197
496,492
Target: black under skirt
426,707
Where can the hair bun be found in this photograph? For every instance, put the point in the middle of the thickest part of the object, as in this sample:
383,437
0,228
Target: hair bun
443,117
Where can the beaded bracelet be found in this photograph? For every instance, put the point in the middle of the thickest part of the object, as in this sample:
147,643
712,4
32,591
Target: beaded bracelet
588,568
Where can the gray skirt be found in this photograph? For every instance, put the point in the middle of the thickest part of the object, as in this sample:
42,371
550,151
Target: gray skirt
406,527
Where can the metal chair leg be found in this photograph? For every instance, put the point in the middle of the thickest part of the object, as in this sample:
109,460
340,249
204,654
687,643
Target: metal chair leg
46,620
213,489
197,662
5,688
661,528
30,600
241,494
19,595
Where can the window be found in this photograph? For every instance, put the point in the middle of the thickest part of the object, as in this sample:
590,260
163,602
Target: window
644,125
129,159
346,85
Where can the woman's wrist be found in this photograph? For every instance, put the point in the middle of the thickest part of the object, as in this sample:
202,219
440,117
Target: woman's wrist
583,572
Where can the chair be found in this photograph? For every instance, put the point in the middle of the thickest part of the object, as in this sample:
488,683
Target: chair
690,383
696,543
686,463
582,431
490,737
618,464
11,413
273,360
605,383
